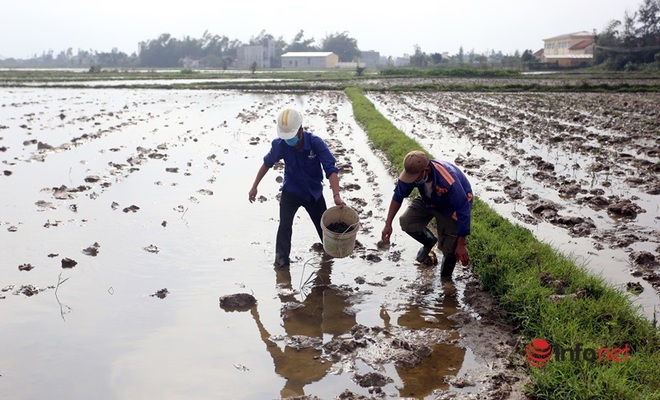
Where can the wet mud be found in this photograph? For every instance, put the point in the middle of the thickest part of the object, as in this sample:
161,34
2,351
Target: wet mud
585,163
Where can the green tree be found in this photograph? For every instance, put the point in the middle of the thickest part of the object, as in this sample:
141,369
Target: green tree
649,19
436,58
481,59
299,43
342,45
225,62
213,47
115,58
527,56
419,59
471,56
635,41
628,33
263,38
158,52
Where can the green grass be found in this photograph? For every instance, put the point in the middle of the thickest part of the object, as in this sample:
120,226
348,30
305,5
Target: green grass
511,263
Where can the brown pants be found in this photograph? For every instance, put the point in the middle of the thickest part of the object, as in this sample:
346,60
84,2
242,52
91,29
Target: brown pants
417,217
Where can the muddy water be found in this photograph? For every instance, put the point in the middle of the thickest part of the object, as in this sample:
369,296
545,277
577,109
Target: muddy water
147,192
521,149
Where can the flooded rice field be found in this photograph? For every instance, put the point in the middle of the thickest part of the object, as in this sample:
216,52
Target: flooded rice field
124,218
580,170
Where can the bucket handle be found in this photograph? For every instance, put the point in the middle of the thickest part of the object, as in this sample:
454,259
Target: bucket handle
349,228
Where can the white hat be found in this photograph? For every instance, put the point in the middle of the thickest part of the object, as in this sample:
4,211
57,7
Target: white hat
288,123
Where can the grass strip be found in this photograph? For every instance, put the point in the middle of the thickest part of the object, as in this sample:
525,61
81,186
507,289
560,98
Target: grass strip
546,295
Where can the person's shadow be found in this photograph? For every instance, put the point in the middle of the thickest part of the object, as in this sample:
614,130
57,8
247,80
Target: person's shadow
319,312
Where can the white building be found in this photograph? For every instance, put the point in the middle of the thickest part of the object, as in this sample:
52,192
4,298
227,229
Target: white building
370,58
263,56
309,60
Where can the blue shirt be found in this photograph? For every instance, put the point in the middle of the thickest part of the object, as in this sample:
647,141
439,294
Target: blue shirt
450,193
302,167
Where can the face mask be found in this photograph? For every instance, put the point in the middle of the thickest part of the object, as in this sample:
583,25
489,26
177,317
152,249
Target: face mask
293,141
423,180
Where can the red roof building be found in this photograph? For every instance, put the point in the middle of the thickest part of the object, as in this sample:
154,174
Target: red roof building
570,50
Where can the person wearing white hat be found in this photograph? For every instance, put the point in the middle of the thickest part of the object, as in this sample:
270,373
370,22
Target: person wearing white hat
444,194
306,157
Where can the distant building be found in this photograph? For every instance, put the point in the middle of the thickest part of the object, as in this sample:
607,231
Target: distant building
190,63
571,50
539,55
370,58
263,56
350,65
309,60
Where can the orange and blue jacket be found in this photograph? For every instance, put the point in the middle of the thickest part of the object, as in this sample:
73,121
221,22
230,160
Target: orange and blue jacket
451,193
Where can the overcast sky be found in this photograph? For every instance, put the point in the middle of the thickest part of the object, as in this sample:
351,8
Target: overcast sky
29,27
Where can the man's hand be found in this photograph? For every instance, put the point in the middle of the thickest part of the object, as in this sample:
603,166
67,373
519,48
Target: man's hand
387,232
462,254
338,201
252,196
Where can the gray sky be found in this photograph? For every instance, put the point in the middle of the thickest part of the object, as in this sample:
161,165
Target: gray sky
29,27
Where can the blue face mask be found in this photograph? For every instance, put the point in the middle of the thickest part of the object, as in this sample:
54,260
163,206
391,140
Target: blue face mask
423,180
293,141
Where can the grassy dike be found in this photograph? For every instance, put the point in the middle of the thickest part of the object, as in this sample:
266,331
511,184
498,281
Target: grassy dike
523,273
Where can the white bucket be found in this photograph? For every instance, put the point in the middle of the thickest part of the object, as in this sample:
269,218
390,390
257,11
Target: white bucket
339,244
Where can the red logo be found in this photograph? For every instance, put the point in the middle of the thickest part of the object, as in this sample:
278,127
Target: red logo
538,353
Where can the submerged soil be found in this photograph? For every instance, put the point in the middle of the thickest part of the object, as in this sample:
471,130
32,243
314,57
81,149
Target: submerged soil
132,255
580,170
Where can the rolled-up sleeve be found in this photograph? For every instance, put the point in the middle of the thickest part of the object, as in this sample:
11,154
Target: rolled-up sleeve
274,155
326,158
402,190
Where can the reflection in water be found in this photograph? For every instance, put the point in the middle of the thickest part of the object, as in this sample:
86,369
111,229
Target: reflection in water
435,301
320,311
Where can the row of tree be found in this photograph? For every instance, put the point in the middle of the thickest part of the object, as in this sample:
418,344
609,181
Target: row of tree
420,59
213,51
623,44
633,42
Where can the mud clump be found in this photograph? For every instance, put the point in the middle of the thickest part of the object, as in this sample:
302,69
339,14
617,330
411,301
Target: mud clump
161,294
625,209
237,302
372,379
647,266
68,263
25,267
92,250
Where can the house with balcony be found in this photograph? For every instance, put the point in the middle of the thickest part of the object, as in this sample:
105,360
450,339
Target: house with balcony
570,50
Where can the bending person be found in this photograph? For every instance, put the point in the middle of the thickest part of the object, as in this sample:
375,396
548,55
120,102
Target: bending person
444,194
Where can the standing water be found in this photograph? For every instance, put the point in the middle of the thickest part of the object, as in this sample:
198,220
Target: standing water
124,217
